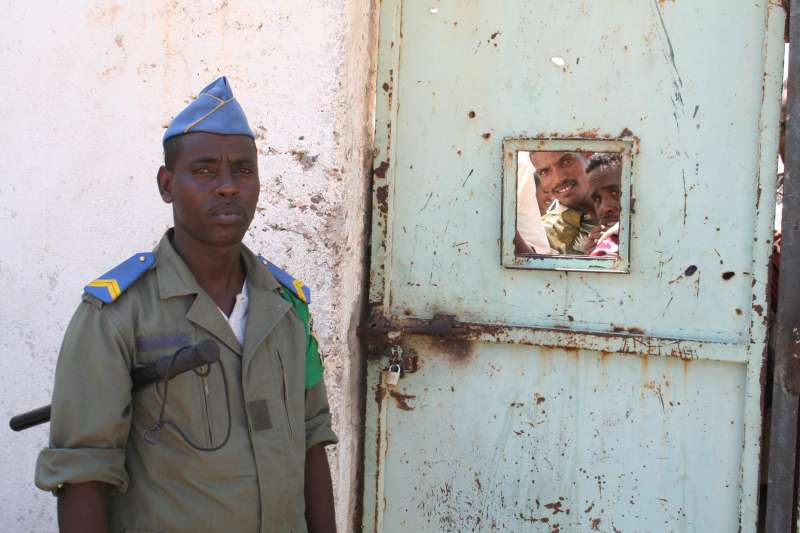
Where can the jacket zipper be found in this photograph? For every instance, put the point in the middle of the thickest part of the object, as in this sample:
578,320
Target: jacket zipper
285,396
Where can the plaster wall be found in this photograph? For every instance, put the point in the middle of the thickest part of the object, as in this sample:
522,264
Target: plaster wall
86,89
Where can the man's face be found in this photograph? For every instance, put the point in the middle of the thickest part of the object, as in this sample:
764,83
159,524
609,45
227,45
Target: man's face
564,175
605,193
213,187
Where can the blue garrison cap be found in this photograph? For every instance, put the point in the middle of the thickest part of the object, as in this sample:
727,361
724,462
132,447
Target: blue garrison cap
215,110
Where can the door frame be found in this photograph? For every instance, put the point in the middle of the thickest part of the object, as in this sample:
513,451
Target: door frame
781,513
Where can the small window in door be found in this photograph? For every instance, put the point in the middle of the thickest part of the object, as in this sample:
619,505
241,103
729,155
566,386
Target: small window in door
567,203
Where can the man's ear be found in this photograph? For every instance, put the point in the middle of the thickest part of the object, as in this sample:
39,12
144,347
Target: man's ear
164,179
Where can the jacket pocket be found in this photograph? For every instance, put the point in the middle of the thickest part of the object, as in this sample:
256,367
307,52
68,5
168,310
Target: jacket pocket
285,385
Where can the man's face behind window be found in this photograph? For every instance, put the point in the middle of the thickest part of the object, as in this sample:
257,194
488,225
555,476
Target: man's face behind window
605,192
563,174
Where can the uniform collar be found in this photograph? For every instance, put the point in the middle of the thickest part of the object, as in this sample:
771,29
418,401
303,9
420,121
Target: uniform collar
175,278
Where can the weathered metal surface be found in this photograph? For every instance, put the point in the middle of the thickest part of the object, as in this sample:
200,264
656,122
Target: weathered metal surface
515,90
686,325
787,334
781,502
381,333
526,439
387,107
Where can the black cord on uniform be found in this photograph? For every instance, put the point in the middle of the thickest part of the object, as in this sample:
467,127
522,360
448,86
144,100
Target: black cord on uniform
149,435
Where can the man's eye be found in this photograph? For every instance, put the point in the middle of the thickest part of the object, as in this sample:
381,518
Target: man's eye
543,173
615,194
202,171
246,171
565,162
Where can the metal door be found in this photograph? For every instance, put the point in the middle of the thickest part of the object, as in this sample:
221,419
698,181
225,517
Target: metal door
560,398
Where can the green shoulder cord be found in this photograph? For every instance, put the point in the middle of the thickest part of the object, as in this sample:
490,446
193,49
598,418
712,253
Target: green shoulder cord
314,367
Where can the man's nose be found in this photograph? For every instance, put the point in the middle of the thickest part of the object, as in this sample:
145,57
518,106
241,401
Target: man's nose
227,184
609,209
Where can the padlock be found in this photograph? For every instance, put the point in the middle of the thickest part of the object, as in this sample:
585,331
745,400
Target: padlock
391,376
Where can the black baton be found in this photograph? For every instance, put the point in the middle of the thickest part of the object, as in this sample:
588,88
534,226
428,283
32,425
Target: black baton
165,367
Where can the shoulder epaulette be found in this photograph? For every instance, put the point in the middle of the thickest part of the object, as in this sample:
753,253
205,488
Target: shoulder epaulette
294,285
113,283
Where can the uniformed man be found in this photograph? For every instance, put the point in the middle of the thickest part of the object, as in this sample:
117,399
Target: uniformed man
235,447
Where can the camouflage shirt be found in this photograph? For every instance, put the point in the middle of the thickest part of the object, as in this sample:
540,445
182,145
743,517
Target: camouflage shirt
567,229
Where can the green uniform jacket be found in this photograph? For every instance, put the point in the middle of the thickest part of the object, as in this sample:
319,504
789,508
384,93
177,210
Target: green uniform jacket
97,430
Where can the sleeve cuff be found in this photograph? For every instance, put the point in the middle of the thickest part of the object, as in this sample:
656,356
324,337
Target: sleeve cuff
318,417
58,466
319,432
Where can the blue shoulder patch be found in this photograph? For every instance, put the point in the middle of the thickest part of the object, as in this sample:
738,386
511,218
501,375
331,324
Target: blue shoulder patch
113,283
294,285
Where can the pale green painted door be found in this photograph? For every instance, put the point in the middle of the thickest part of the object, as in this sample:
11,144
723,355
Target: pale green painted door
546,395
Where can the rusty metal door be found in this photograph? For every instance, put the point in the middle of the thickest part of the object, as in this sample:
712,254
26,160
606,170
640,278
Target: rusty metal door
546,393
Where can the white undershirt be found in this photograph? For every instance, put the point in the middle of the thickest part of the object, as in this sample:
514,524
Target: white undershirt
238,318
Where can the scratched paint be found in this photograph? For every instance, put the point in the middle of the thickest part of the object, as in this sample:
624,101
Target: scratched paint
676,161
570,401
522,436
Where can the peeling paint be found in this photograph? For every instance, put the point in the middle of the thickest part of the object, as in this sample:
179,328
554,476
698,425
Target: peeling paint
534,358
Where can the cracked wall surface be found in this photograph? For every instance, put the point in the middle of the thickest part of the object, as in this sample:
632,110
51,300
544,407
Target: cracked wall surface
86,93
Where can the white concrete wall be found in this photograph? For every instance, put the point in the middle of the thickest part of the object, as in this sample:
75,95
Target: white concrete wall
85,91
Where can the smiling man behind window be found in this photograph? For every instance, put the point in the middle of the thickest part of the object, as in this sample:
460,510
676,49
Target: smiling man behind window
569,222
